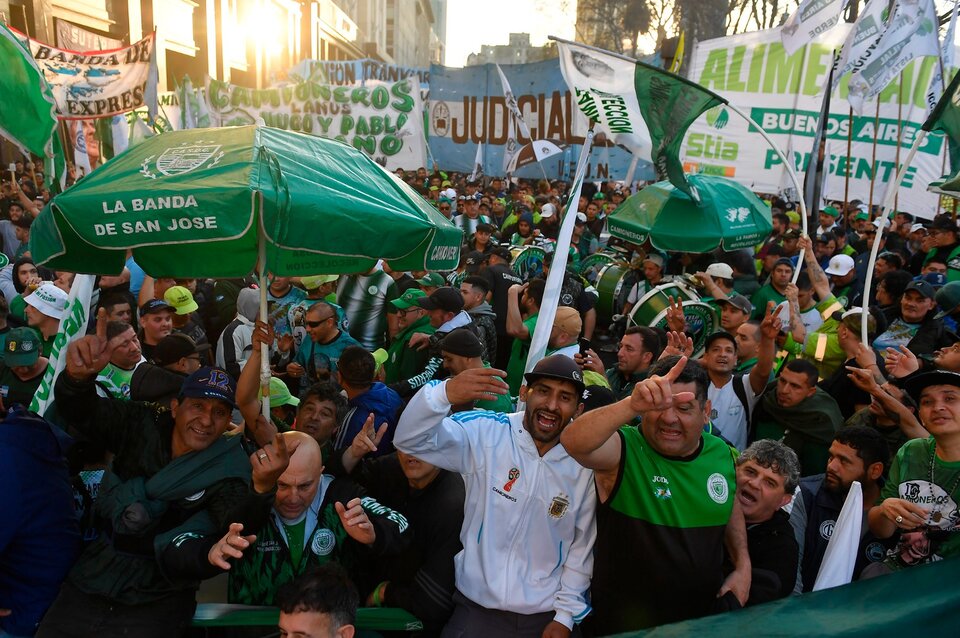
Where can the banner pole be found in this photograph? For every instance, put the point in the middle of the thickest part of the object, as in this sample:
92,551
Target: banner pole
896,161
551,295
793,178
846,177
888,199
262,276
873,159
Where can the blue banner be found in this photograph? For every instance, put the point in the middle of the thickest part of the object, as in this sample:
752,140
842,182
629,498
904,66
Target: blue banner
467,107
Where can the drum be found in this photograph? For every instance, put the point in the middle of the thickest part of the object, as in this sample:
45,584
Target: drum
591,265
613,283
651,310
527,261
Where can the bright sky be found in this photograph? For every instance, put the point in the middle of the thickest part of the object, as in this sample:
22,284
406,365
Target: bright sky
471,24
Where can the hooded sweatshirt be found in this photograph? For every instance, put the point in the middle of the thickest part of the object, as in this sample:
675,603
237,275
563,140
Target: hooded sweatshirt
384,403
236,341
485,319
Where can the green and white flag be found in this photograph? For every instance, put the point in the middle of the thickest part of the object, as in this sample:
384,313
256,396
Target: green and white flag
910,34
863,38
28,117
73,325
947,56
812,19
946,117
641,107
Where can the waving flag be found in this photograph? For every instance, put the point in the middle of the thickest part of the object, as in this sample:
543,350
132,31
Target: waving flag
947,51
910,34
636,105
862,40
811,19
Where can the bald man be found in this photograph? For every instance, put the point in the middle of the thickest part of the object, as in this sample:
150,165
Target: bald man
315,519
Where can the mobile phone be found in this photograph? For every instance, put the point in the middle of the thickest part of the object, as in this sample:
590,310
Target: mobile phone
584,345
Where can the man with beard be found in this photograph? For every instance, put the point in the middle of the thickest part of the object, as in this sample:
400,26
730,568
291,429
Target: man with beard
775,290
857,453
668,504
520,485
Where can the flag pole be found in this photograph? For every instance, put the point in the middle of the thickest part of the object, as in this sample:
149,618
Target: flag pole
846,177
790,173
873,159
896,160
551,295
262,277
888,199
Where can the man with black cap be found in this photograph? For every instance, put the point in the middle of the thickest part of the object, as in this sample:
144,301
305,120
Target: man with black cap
735,311
176,357
520,485
920,498
156,322
445,308
915,325
461,350
176,484
945,239
500,276
667,494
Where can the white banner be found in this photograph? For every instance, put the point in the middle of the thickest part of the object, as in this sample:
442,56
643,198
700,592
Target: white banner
782,93
385,120
72,327
95,84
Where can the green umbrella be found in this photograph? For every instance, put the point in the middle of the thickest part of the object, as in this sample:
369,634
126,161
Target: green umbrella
728,215
197,203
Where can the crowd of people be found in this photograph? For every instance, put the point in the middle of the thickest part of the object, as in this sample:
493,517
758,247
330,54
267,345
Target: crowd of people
410,461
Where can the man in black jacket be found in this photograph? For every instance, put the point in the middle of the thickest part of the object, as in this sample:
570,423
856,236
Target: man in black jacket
176,484
767,475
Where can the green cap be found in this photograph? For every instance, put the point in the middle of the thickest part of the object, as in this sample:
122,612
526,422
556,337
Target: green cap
830,210
432,279
793,216
280,394
948,298
862,217
22,347
181,299
408,299
380,356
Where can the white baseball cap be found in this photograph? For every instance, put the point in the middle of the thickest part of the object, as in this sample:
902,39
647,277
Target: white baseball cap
839,265
917,227
49,300
885,221
723,271
548,210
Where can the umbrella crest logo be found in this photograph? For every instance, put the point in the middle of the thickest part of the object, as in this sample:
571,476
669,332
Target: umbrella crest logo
738,215
182,159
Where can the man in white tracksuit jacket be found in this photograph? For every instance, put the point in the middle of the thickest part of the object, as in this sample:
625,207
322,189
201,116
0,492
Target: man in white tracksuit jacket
529,525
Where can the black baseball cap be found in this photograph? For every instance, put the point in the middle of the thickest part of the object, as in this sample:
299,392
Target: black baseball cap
444,298
155,305
174,347
210,382
462,343
915,384
557,366
923,287
474,259
503,253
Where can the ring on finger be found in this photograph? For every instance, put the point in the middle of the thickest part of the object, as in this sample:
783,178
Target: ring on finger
262,456
899,519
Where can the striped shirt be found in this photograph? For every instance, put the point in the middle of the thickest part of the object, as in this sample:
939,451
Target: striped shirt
364,299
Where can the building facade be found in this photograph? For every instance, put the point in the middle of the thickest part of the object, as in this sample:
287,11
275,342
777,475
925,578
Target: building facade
517,51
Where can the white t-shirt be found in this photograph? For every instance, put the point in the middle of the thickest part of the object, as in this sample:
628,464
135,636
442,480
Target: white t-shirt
727,413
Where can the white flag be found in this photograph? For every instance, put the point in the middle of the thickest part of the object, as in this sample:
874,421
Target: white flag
139,130
947,56
477,163
80,157
120,131
911,34
512,104
73,325
188,115
812,19
840,557
535,151
862,40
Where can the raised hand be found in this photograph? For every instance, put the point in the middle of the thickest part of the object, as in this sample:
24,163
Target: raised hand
476,384
590,362
656,393
355,522
901,362
771,324
368,439
268,463
675,319
262,335
87,356
678,345
863,379
230,546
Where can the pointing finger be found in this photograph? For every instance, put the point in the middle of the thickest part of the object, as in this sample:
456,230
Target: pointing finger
675,371
102,324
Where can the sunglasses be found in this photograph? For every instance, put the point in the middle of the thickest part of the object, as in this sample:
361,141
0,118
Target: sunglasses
317,324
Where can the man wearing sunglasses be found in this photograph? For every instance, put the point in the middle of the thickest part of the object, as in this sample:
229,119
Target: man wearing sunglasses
316,360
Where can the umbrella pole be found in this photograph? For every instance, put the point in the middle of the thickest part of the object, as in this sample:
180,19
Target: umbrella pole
793,178
264,355
888,199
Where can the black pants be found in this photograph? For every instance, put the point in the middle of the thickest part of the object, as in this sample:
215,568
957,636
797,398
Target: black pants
75,614
470,620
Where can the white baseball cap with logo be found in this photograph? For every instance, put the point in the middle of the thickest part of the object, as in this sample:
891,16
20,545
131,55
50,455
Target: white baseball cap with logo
721,270
49,300
839,265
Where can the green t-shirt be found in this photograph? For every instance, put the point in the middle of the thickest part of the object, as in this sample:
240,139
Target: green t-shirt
518,357
910,480
501,404
760,299
116,381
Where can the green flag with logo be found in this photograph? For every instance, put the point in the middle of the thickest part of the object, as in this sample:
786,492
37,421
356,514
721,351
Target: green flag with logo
641,107
28,115
946,117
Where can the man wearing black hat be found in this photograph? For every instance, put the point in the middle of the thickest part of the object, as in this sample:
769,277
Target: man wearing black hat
176,484
520,485
176,357
461,350
667,494
500,276
920,498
